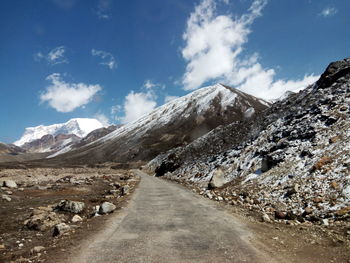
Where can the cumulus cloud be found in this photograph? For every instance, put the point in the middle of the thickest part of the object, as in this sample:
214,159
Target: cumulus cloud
107,59
137,104
213,51
102,118
66,97
54,57
329,11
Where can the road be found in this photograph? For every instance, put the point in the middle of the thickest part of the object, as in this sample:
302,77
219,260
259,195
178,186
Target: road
165,222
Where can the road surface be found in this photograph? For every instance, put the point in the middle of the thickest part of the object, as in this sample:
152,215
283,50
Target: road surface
165,222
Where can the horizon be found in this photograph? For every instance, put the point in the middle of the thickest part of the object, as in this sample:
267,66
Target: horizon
117,61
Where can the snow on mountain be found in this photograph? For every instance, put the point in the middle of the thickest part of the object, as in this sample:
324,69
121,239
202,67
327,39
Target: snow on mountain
78,126
177,122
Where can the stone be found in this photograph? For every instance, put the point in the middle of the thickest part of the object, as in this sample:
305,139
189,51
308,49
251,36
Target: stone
37,249
325,222
42,218
60,229
113,191
334,185
2,247
280,215
106,207
76,218
71,206
10,184
308,211
217,180
125,189
6,197
265,218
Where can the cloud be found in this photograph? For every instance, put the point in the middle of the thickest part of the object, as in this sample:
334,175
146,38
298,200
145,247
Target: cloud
213,52
102,118
137,104
54,57
170,98
66,97
103,9
106,57
329,11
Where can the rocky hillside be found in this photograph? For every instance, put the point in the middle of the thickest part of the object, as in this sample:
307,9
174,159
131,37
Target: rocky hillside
10,149
290,162
174,124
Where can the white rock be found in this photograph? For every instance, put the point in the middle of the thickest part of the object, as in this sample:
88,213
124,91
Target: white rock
218,179
6,197
61,229
10,184
106,207
76,219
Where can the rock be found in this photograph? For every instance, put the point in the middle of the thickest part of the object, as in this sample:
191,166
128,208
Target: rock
6,197
10,184
217,180
76,219
220,198
113,191
308,211
2,247
43,218
106,208
265,218
343,211
71,206
37,249
334,185
125,190
280,215
61,229
292,190
325,222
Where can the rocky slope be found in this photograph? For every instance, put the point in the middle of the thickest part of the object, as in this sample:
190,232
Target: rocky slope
291,162
176,123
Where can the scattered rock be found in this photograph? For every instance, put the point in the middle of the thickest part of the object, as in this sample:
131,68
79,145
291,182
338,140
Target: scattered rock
6,197
71,206
43,218
37,249
61,229
76,218
106,208
9,184
265,218
217,180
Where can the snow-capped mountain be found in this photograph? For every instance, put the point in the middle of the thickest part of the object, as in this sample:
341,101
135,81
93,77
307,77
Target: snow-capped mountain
78,126
176,123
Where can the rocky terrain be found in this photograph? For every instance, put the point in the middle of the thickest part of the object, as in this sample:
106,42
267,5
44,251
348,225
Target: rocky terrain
290,163
42,210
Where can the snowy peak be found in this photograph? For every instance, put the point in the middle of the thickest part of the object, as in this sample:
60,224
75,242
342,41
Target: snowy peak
78,126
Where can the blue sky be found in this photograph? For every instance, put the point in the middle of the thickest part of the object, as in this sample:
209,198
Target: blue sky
116,60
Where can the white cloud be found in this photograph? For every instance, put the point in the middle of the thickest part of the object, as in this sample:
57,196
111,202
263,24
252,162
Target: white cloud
137,104
213,51
329,11
103,9
170,98
66,97
102,118
54,57
106,57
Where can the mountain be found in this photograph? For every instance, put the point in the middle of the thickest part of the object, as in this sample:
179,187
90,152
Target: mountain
10,149
174,124
79,127
291,161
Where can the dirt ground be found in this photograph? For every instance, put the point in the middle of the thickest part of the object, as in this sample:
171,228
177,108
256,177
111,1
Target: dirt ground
41,187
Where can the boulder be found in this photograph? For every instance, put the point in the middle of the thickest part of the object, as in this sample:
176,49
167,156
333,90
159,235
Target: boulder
61,229
71,206
265,218
6,197
106,207
43,218
76,219
37,249
10,184
217,180
125,189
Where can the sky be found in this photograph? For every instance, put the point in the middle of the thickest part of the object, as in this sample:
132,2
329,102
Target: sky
116,60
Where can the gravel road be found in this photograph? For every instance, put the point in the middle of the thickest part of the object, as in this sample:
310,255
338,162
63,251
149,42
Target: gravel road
165,222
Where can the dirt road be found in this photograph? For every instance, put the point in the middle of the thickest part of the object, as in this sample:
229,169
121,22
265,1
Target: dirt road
167,223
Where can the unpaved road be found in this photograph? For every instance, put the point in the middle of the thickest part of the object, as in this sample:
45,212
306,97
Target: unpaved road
168,223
